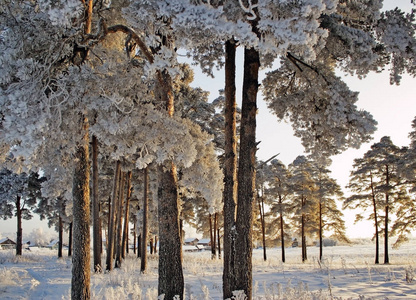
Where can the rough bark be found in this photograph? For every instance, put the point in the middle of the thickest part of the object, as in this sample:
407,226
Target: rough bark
112,221
81,273
171,281
230,170
96,225
143,261
125,240
19,233
247,172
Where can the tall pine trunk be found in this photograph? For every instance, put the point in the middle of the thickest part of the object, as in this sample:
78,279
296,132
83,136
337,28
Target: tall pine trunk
70,240
386,220
96,225
143,261
19,226
282,233
120,220
320,231
211,237
373,195
230,171
247,173
171,281
112,217
219,243
60,236
81,273
125,240
263,225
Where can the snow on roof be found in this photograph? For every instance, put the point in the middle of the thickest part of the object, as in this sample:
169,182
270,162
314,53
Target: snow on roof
5,240
187,240
204,241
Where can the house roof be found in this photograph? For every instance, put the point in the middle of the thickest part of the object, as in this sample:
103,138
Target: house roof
6,241
188,240
204,241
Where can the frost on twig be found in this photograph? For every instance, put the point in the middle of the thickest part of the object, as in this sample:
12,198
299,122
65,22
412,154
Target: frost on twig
249,9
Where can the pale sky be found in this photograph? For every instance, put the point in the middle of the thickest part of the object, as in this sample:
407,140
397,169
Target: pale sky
392,106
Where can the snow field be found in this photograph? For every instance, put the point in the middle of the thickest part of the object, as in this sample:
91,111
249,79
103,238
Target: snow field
346,272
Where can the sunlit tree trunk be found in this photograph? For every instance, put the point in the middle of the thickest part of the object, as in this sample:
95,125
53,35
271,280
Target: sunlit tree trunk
81,273
247,173
171,281
230,171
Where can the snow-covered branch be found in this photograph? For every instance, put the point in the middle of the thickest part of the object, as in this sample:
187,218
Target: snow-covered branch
249,9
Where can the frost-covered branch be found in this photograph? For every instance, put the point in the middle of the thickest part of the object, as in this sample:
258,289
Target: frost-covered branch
249,9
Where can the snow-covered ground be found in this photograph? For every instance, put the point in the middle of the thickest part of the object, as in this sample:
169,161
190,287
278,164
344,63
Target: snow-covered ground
347,272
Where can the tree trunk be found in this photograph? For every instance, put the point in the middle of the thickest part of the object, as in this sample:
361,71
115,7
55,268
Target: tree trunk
156,244
211,237
19,233
282,233
263,229
171,281
143,261
134,237
125,240
111,223
70,240
376,261
219,243
139,246
230,171
97,243
320,231
386,220
214,246
60,236
247,173
80,287
120,219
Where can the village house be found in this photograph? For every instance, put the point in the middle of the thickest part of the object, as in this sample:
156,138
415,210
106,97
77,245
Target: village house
6,243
